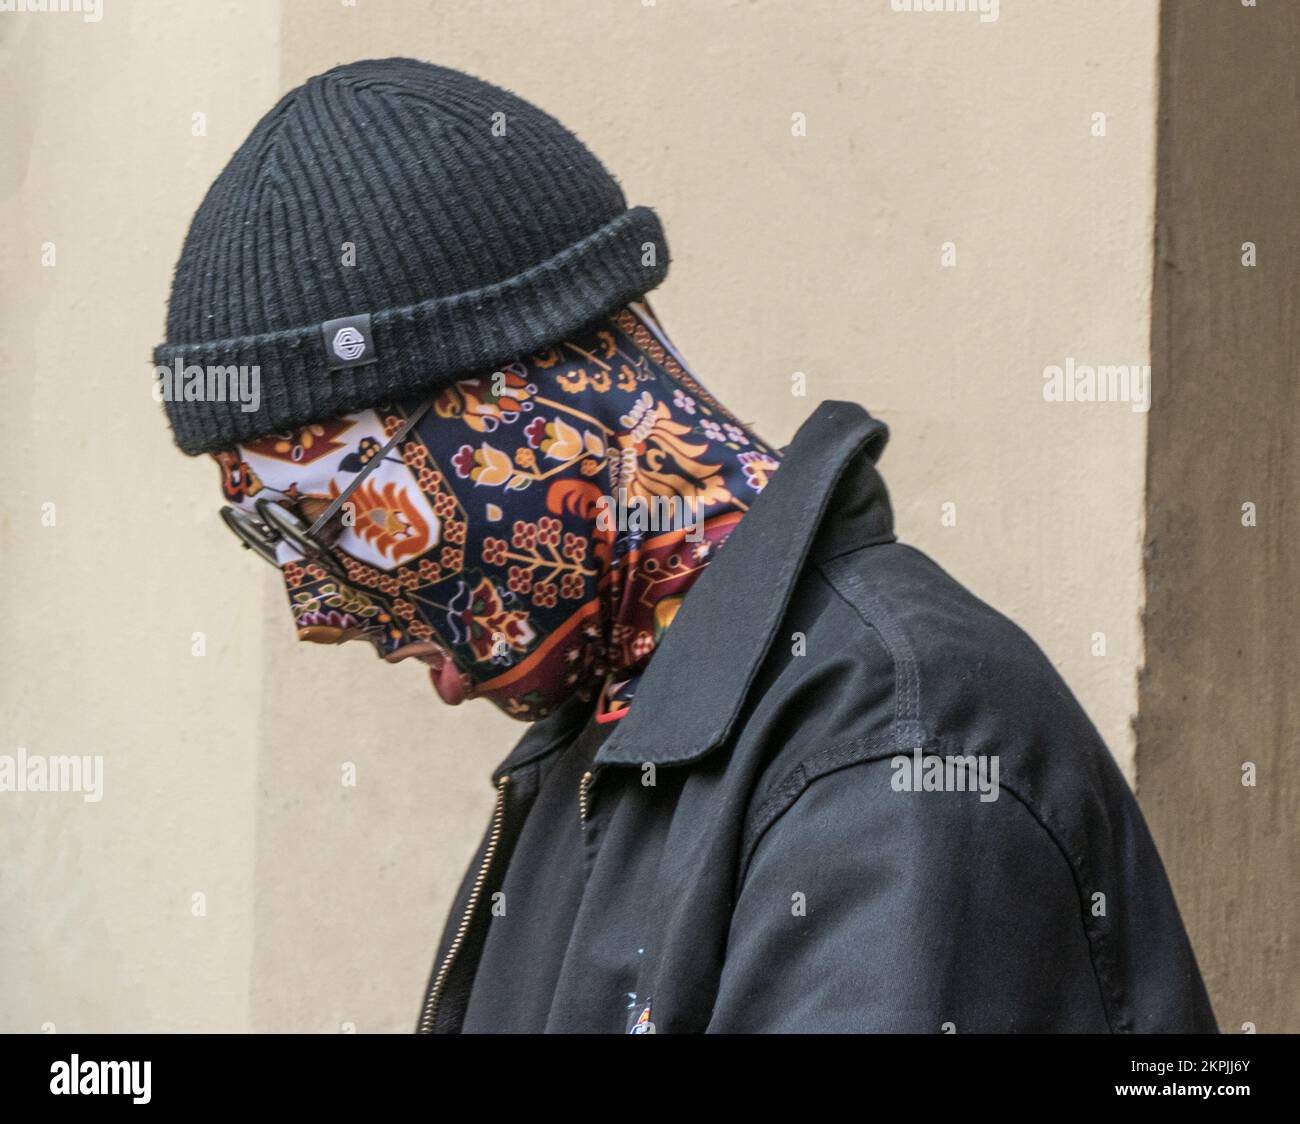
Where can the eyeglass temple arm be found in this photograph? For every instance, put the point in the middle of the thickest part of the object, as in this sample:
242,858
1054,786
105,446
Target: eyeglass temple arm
375,462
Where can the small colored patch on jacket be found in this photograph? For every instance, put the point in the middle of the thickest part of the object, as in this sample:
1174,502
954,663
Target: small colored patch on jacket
643,1025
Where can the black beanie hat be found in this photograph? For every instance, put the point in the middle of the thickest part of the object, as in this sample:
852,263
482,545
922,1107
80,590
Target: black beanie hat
390,227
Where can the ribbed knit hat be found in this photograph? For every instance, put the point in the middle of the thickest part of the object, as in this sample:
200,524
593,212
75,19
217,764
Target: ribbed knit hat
390,227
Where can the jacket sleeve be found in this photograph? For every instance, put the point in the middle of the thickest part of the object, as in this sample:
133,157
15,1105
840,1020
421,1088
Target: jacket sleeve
864,909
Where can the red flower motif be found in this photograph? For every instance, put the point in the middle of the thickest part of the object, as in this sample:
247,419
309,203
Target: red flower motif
548,530
575,547
572,587
463,461
494,551
519,580
488,621
544,595
535,430
524,535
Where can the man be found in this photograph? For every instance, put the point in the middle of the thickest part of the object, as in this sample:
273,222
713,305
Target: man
782,772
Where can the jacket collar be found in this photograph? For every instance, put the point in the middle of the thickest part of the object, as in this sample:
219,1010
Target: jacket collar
693,690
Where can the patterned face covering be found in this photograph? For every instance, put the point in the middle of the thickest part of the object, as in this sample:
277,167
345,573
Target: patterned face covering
534,534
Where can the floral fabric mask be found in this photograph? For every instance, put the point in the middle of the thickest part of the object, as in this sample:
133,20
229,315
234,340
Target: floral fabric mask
486,542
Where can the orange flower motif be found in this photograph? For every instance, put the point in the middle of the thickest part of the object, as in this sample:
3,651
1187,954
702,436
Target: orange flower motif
486,465
563,442
483,404
657,459
388,520
577,496
626,378
574,382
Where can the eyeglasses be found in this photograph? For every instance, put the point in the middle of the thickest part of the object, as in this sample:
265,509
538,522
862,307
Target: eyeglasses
273,524
276,524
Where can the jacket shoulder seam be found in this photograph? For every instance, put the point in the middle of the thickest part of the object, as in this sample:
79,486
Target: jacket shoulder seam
907,678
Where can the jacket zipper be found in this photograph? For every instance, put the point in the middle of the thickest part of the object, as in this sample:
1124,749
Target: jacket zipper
583,787
434,998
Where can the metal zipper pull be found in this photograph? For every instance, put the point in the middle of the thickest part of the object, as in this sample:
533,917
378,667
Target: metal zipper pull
582,797
434,998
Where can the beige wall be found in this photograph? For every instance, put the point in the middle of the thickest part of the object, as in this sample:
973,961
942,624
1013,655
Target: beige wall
96,923
818,254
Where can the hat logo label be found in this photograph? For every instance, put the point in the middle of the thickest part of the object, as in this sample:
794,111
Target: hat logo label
349,343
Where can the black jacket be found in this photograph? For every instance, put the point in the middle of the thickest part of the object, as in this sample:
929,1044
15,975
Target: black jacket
749,849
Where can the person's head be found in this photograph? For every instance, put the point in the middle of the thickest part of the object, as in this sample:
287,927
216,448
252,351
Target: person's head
474,530
392,324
